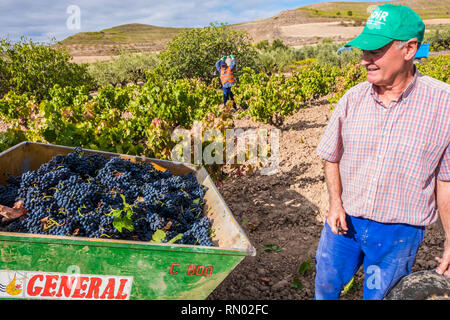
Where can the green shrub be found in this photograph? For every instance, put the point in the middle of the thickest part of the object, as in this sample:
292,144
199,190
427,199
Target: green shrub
350,75
315,79
439,40
277,60
326,52
11,137
127,68
4,76
33,68
262,45
437,67
193,52
179,102
16,108
269,99
283,58
278,44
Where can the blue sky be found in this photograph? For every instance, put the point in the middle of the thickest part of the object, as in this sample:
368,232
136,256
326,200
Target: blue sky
40,20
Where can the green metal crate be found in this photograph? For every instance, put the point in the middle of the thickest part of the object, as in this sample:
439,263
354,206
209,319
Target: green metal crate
56,267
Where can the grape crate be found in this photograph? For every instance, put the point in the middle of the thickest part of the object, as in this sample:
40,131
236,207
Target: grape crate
87,195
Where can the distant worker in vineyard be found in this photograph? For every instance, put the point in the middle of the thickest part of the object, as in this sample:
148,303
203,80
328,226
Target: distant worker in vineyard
227,78
386,154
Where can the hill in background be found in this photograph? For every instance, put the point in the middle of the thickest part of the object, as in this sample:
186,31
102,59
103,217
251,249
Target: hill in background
131,37
427,9
339,21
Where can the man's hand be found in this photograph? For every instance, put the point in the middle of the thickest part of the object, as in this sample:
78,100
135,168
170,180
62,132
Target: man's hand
444,262
336,213
336,219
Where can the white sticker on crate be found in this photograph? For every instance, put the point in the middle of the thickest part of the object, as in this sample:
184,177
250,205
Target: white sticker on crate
53,285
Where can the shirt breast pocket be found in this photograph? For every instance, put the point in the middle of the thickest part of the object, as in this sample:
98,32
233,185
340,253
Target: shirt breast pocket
416,160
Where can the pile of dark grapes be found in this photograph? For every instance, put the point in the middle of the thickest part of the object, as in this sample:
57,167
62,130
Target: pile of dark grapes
74,195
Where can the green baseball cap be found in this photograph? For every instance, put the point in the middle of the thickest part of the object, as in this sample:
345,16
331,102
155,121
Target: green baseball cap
386,23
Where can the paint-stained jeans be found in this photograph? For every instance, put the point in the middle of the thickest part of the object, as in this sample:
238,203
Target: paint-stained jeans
386,251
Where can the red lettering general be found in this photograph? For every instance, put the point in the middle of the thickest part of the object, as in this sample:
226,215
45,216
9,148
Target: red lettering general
32,289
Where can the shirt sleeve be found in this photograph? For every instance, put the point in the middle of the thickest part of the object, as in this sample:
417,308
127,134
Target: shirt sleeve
443,170
233,64
331,147
218,65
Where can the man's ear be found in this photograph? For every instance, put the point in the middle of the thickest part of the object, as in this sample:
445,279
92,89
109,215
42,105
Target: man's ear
411,48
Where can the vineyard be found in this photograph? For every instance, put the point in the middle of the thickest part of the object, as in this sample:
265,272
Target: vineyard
135,111
48,99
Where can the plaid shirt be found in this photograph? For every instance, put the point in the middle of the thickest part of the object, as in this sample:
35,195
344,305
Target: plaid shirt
390,157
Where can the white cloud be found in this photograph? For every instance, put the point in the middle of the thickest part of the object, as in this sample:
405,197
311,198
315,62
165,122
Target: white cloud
39,19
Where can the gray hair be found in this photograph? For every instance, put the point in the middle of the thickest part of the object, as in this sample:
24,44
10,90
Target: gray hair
402,43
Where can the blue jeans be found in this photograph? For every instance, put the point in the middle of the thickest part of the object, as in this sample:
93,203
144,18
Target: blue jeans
386,251
227,94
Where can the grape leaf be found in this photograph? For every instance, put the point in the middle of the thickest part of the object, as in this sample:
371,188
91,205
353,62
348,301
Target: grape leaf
272,247
120,222
305,266
158,236
297,284
17,211
123,220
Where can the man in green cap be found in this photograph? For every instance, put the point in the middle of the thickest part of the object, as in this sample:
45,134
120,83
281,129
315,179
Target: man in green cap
386,154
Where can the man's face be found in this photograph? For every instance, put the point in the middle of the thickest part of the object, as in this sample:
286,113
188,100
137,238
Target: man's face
384,64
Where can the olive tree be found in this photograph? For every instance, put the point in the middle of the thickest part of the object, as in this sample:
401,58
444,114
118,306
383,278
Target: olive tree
193,52
29,67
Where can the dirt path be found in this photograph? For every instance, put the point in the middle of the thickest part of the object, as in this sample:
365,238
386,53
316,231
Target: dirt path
90,59
334,29
323,30
288,209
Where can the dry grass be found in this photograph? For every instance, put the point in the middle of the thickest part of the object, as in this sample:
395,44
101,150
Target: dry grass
125,34
427,9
